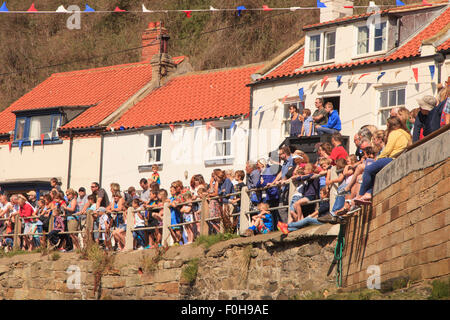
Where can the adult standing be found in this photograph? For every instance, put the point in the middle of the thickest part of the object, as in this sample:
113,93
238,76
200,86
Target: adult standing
70,209
145,195
26,210
32,199
320,116
424,117
100,194
338,151
296,121
55,184
334,122
253,177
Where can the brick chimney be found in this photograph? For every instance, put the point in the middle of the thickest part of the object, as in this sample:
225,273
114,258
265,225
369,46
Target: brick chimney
335,9
154,40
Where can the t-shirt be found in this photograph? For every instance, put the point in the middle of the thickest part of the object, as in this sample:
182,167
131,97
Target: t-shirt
138,222
26,211
6,206
81,202
322,112
308,125
338,153
58,223
267,220
105,200
145,195
155,178
226,188
324,207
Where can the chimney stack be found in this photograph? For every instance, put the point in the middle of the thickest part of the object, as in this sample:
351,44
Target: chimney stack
154,41
335,9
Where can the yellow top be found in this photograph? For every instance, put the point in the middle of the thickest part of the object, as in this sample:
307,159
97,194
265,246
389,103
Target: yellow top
398,140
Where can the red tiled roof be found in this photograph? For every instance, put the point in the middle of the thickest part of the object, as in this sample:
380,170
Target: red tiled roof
364,15
444,46
408,50
105,89
194,96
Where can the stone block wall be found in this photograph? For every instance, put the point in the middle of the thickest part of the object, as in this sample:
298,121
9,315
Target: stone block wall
406,232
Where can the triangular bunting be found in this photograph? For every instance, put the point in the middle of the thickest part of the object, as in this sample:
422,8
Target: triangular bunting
416,74
32,8
380,75
323,81
284,99
266,8
117,9
188,13
42,139
320,4
144,9
20,145
10,145
363,75
240,9
399,3
233,124
260,107
3,8
294,8
247,115
301,94
431,71
62,9
425,3
211,8
339,80
88,9
172,127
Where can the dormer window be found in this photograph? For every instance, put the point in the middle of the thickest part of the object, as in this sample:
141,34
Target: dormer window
32,127
371,38
321,47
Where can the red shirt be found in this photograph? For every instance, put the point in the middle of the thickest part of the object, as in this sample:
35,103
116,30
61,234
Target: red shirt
338,153
26,211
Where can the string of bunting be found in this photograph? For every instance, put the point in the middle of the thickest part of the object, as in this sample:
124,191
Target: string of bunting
187,12
353,80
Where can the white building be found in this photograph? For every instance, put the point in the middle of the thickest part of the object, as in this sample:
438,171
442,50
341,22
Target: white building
365,64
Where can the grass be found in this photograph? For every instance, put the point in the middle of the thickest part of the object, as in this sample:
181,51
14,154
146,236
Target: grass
190,271
441,290
13,253
209,240
55,256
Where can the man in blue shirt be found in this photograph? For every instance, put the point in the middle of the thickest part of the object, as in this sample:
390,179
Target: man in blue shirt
334,122
253,177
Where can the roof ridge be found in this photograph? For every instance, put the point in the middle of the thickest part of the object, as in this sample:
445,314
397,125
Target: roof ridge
200,72
101,69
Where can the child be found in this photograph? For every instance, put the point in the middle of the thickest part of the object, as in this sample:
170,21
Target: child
155,174
325,164
262,222
308,127
202,193
103,225
58,226
138,235
37,224
151,221
9,229
324,207
188,216
239,176
310,193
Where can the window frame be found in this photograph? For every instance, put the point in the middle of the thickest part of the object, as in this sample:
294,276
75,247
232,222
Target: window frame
325,46
371,49
286,121
222,142
147,152
322,47
380,109
51,137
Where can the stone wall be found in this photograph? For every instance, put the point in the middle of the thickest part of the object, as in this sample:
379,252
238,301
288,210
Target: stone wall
406,231
270,266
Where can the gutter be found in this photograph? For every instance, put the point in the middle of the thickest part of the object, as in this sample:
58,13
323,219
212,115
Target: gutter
250,124
70,159
102,143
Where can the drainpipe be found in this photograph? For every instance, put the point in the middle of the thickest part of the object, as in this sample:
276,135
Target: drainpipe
102,138
250,121
70,158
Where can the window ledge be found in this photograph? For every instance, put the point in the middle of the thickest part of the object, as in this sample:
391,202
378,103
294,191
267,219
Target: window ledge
315,64
368,55
37,142
219,161
148,167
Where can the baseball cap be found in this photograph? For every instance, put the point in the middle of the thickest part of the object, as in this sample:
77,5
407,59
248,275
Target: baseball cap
427,102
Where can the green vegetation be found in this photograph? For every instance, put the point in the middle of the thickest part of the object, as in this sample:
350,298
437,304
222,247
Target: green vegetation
209,240
441,290
189,272
55,256
150,264
13,253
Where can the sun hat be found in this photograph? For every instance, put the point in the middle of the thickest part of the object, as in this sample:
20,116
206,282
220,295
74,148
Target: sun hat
427,102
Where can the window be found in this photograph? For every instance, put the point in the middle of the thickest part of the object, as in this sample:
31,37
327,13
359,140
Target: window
222,144
32,127
371,38
330,45
154,148
287,116
390,98
314,48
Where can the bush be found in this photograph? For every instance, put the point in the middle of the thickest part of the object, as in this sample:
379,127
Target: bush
189,272
208,241
55,256
441,290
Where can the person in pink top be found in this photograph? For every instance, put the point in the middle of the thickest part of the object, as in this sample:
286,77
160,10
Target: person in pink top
26,210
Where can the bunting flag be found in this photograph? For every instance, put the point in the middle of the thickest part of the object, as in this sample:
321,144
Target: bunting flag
348,7
42,139
416,74
3,8
144,9
208,126
240,9
233,124
20,144
301,94
88,9
320,4
284,99
425,3
431,71
61,9
117,9
188,13
260,107
397,72
380,75
363,75
10,145
32,8
191,124
323,81
294,8
338,79
399,3
247,115
172,127
266,7
211,8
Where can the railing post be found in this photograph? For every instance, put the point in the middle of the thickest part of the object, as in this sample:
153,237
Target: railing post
17,230
89,228
245,207
50,223
166,237
204,214
129,233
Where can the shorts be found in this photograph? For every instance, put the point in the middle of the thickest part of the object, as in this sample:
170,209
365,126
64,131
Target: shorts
263,229
188,217
28,227
311,198
122,226
72,225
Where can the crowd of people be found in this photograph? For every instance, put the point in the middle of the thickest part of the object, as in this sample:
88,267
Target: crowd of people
325,190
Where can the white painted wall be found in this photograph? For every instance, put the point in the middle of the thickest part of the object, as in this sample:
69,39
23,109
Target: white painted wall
185,149
358,103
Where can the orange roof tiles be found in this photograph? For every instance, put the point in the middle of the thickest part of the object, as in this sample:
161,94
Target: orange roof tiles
194,96
410,49
104,89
